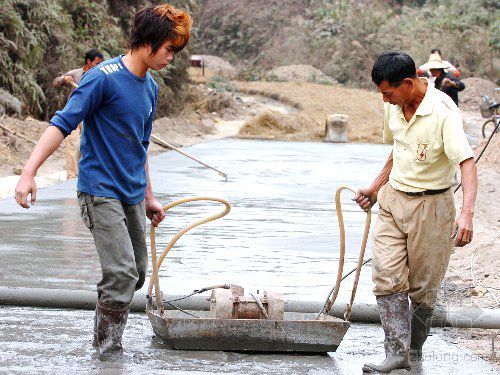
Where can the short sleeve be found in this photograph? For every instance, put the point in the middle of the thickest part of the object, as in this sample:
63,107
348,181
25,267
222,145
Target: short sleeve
387,133
82,102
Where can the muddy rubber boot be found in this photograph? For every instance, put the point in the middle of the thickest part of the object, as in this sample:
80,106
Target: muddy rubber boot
110,326
394,310
94,342
421,320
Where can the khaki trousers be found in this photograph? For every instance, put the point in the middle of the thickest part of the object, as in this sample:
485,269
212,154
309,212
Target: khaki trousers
73,152
411,244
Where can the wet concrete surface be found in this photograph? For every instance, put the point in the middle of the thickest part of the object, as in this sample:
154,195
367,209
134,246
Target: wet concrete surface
281,235
59,342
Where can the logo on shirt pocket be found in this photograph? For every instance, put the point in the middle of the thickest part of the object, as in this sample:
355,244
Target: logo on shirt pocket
422,150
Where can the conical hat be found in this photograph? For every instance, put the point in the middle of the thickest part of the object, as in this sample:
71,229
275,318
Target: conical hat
435,62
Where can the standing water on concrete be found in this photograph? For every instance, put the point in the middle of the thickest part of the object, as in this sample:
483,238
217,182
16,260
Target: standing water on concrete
281,235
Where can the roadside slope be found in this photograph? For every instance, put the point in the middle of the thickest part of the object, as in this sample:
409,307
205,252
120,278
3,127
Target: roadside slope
317,101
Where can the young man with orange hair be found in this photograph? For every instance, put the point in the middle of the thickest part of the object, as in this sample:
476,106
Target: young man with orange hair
117,102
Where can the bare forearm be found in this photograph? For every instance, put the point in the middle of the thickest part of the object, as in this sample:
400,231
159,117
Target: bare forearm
367,197
154,209
469,186
46,146
383,177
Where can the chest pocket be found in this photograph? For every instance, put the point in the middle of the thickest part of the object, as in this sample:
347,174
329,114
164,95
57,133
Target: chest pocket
426,147
423,149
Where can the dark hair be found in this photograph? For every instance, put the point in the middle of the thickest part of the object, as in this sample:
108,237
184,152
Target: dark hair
393,67
92,54
155,25
434,50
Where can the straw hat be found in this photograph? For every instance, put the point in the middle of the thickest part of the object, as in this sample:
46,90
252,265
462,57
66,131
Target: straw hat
435,62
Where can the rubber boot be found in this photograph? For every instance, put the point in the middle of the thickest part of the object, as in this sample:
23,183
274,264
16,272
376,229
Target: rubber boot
94,342
110,326
394,310
421,320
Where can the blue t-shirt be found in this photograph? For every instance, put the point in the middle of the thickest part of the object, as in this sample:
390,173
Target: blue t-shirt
117,108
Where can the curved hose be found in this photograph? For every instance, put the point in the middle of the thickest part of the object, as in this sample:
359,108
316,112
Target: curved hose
330,301
154,280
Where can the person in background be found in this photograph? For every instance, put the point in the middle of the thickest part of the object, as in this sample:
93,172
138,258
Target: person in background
443,80
423,70
71,79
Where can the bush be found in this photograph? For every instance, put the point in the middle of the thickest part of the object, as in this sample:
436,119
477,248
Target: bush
220,84
343,37
40,40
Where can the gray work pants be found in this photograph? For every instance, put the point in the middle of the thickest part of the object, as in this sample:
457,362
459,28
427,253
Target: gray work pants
119,232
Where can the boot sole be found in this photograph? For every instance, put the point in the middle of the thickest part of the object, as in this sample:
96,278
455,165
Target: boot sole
371,370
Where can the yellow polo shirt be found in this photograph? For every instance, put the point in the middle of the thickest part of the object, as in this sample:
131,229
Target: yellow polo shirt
427,149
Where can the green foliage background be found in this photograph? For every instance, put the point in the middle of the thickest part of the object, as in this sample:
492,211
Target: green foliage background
40,40
342,37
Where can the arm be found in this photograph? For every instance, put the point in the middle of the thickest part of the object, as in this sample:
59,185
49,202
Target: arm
459,85
462,228
65,79
455,83
82,101
367,197
59,81
154,209
48,143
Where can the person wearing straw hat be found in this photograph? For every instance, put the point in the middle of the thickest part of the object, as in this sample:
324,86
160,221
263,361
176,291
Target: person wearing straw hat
444,80
422,71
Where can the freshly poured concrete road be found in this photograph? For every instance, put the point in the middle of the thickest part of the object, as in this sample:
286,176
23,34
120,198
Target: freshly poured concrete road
281,235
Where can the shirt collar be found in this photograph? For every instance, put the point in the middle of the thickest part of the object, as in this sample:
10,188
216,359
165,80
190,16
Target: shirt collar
425,107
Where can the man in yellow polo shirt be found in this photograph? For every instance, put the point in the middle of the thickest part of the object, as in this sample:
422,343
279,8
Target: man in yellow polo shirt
416,223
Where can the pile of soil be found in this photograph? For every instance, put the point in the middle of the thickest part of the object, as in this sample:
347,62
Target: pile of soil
491,157
215,102
316,102
276,125
202,108
472,96
219,67
299,73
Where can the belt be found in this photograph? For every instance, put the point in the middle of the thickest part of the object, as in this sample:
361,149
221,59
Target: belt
425,192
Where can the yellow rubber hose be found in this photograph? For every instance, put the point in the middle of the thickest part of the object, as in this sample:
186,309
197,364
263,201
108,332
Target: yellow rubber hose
157,263
330,301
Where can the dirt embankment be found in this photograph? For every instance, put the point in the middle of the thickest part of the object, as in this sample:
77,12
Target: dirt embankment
317,101
17,138
472,96
207,114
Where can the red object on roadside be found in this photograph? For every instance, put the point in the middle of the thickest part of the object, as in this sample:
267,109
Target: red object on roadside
456,73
